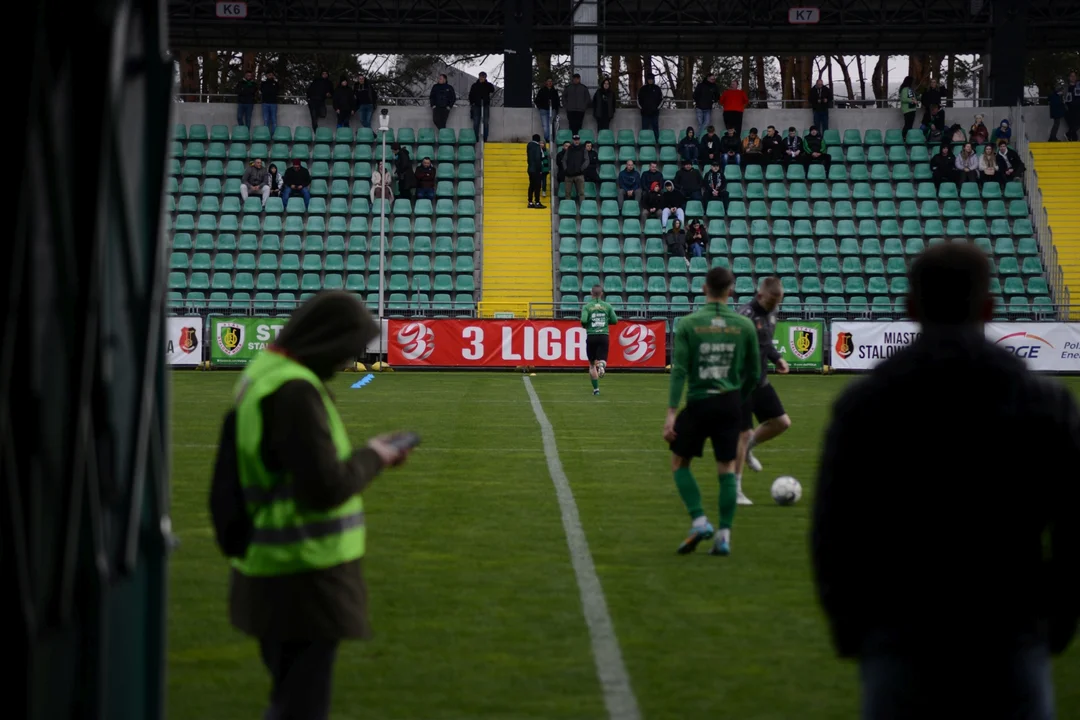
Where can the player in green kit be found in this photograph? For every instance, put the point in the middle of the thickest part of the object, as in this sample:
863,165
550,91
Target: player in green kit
596,317
716,354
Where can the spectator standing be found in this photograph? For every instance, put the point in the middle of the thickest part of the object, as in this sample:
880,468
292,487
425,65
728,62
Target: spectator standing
816,149
575,161
254,182
652,203
1010,166
343,103
1002,132
560,171
705,96
675,240
674,204
592,172
650,176
534,159
792,147
908,104
442,100
425,180
709,149
734,102
821,99
403,168
988,164
688,181
245,99
967,164
1072,107
480,104
629,182
688,147
772,146
649,100
751,149
545,170
268,93
318,90
576,100
366,100
977,133
697,238
730,147
1057,112
715,186
604,104
943,166
931,96
381,188
963,634
297,180
548,104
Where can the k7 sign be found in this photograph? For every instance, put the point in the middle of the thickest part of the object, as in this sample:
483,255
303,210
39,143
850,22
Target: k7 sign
515,343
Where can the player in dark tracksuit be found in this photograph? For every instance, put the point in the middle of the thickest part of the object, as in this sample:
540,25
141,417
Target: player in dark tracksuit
764,403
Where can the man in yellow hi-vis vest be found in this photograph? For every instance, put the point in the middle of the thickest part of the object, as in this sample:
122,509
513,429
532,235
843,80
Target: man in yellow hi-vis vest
287,486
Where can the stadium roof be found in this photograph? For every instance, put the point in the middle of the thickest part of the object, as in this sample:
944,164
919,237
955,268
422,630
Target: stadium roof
731,27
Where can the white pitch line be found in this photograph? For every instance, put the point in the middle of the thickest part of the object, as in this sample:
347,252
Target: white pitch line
614,679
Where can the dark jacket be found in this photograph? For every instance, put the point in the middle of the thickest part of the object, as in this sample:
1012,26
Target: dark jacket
575,161
425,177
772,146
765,322
675,242
480,94
714,181
815,144
297,176
365,94
318,89
1011,161
344,98
534,156
792,145
629,180
1057,105
730,144
820,98
652,202
604,104
688,147
688,181
245,92
269,92
576,97
328,604
930,97
942,163
443,95
547,97
404,169
649,177
674,199
705,95
709,148
926,582
649,99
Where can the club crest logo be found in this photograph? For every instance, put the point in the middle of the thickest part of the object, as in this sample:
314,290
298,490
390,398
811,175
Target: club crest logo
638,343
230,338
845,345
802,341
188,341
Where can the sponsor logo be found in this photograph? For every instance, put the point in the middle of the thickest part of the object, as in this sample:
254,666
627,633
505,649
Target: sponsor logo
845,345
417,341
803,341
230,338
638,343
1024,344
189,340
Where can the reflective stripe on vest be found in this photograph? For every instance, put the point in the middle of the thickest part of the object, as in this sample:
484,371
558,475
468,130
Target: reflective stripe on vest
287,539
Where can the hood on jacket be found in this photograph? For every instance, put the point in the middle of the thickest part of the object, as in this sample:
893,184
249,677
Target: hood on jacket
326,331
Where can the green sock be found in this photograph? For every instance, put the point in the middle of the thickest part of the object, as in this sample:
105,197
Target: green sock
729,492
690,492
595,384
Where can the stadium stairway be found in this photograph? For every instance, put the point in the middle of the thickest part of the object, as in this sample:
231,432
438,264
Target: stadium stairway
1058,169
517,261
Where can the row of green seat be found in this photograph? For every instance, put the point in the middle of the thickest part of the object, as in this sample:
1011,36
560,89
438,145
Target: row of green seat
318,170
357,224
855,155
803,246
286,302
270,243
313,282
304,134
603,138
319,187
230,205
317,262
803,209
280,152
911,227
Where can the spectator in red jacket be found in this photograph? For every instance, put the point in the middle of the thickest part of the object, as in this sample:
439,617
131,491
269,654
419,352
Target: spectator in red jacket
425,180
734,102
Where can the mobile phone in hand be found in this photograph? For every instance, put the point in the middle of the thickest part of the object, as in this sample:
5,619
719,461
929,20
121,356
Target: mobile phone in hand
404,441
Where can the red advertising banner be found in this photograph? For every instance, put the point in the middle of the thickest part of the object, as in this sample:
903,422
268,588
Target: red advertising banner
516,343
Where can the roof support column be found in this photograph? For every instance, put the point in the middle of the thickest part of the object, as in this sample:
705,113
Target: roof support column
585,50
518,54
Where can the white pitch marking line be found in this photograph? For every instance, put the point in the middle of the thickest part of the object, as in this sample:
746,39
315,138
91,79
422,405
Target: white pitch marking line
614,679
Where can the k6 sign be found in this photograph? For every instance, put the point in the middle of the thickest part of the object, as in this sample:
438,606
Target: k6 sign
514,343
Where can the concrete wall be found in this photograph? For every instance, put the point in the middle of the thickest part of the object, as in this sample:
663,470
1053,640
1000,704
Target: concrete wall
519,124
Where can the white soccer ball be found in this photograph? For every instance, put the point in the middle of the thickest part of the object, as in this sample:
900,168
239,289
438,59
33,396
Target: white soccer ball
786,490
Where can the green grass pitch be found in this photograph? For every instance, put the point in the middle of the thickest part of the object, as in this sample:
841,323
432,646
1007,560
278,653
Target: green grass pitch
474,600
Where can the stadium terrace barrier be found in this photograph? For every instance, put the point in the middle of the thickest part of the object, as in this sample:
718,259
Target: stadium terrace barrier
1047,347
